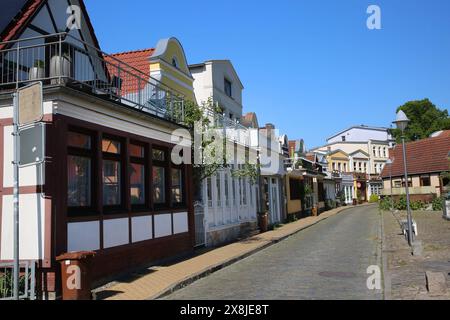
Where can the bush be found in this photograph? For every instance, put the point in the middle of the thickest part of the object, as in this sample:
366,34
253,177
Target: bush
417,205
401,203
437,204
374,198
385,204
330,204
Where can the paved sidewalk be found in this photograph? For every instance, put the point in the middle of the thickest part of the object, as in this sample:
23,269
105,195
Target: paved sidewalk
159,281
405,273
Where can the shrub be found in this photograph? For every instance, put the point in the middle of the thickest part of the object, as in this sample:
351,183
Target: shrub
437,203
385,204
417,205
374,198
330,204
401,203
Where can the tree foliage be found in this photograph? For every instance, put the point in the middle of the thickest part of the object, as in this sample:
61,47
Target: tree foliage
425,119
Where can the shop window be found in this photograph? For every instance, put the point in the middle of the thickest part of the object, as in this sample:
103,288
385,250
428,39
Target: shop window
112,173
177,187
137,176
80,173
159,185
159,178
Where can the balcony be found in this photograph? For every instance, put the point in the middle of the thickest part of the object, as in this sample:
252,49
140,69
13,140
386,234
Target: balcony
231,129
62,60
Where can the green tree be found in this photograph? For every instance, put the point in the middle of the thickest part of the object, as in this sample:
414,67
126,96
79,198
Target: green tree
425,119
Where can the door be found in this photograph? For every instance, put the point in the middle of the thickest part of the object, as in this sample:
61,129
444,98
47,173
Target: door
274,201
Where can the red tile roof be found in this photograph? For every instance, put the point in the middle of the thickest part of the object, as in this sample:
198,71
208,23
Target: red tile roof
423,156
138,60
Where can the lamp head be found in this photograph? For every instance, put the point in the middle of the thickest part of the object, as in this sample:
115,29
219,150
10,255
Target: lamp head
402,121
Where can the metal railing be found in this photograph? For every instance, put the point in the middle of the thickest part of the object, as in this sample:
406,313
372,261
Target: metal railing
60,59
27,281
233,130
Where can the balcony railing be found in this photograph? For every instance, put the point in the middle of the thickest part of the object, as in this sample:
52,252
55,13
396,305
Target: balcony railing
232,130
61,59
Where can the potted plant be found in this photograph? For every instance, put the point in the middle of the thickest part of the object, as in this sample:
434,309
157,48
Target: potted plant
37,71
61,67
263,221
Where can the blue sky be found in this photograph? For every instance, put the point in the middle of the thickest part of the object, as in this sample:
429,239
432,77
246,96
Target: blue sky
312,68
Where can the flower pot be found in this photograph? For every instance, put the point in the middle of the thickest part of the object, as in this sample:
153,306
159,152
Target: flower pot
263,222
36,73
60,66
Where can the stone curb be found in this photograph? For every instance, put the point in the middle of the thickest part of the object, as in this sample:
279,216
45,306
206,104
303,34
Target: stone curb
268,243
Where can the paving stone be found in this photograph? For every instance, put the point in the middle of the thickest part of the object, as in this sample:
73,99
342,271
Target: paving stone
436,283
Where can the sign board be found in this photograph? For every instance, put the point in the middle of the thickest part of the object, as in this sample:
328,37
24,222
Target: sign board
30,104
32,145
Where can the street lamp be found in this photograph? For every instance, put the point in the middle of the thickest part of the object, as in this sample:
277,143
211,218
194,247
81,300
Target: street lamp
389,162
401,123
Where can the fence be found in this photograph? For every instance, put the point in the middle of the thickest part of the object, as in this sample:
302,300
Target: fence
27,281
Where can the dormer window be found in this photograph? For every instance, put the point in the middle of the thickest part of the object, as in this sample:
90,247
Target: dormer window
227,88
175,62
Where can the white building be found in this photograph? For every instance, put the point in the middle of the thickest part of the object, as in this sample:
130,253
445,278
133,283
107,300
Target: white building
227,209
367,150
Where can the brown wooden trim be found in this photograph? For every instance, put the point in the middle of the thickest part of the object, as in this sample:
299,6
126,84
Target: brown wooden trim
23,190
2,160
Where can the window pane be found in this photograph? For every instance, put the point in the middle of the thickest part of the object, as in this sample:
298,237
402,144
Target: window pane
111,146
159,185
111,183
79,140
137,183
136,151
79,181
158,155
177,186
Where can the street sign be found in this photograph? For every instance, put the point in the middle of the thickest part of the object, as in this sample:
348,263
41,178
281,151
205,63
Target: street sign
30,104
32,145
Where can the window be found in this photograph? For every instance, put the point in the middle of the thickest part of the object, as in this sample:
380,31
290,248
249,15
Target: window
425,181
209,191
379,152
334,166
365,167
294,186
159,186
227,195
219,190
159,177
112,172
175,62
137,175
384,153
409,182
360,166
339,167
343,138
177,186
228,90
397,183
79,178
374,151
79,172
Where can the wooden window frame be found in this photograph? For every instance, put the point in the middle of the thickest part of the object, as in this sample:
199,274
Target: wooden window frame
81,212
136,208
109,210
166,205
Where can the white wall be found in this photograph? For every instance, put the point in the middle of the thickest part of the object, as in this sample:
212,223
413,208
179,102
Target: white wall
32,227
359,134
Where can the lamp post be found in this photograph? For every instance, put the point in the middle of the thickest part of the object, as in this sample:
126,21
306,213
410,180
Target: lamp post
401,123
390,162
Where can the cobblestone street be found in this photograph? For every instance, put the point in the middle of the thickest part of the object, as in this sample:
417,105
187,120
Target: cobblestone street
406,273
326,261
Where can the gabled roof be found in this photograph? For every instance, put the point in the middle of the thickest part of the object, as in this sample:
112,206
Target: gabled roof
424,156
250,120
139,60
203,64
364,127
360,151
28,11
338,151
